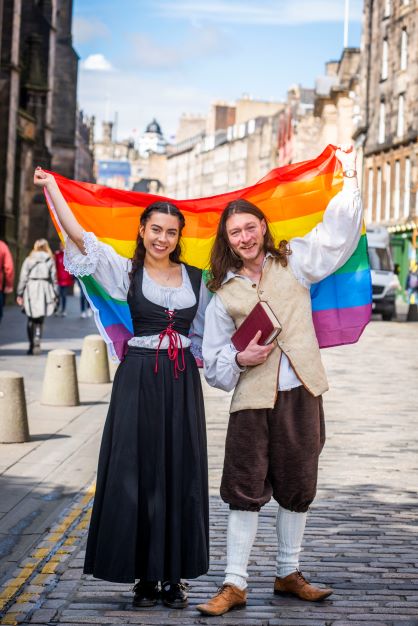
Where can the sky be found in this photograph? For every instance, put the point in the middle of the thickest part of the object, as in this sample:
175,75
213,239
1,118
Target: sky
145,59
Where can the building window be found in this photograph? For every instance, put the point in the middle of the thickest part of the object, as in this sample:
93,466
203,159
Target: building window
385,57
388,172
407,187
378,215
370,195
401,115
397,191
382,122
388,7
251,127
404,49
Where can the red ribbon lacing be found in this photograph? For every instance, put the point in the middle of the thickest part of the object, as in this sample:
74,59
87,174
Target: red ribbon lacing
174,346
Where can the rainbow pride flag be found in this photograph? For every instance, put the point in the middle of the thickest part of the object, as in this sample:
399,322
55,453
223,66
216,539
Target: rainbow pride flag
292,197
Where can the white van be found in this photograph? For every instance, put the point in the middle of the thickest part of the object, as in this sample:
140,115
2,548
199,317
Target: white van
385,283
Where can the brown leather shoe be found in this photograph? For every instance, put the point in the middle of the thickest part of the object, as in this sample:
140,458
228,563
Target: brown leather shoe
296,584
228,597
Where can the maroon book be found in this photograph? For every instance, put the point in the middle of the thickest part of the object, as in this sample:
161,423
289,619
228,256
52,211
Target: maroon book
261,317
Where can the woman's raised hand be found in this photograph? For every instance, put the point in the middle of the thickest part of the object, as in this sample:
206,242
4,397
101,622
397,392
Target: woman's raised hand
68,221
42,178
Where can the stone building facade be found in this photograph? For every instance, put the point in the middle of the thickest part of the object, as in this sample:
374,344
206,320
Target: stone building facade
387,125
335,99
325,114
298,127
84,146
38,82
237,147
115,160
152,140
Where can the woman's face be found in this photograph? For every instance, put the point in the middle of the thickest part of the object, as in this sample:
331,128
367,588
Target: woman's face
160,235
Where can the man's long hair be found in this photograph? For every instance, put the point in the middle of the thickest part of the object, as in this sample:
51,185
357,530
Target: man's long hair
223,258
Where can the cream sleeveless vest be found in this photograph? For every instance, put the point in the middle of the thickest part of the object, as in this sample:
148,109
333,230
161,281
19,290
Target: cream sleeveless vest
257,387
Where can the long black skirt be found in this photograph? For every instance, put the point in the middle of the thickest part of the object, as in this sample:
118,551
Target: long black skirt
150,512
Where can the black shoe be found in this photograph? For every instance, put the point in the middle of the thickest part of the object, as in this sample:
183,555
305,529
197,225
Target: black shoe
145,593
174,594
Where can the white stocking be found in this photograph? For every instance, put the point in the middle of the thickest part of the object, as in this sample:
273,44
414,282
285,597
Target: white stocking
242,528
290,527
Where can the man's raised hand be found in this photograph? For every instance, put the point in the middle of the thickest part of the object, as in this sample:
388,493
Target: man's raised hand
346,155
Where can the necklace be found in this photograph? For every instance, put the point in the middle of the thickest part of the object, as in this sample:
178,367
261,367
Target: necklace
161,275
167,278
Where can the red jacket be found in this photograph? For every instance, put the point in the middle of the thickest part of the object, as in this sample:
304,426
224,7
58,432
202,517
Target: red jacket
64,279
7,271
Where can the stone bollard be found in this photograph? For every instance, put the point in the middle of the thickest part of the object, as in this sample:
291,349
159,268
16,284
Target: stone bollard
113,366
13,415
94,364
60,387
412,315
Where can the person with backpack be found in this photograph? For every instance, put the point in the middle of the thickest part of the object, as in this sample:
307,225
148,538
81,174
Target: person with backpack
37,291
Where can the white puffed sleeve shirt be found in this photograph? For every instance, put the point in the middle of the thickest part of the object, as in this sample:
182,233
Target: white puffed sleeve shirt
314,257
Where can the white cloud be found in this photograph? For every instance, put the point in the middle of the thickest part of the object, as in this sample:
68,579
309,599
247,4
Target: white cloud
202,41
150,54
267,12
85,30
137,100
96,63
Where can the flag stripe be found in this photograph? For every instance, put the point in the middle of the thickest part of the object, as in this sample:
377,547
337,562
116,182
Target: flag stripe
359,260
350,290
336,327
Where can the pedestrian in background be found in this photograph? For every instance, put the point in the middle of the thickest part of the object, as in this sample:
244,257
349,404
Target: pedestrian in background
37,291
412,283
64,279
7,274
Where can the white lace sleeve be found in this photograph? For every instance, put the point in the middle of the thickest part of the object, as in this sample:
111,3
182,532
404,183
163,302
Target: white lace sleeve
76,262
100,261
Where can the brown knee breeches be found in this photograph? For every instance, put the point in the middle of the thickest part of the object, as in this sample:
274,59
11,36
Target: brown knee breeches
274,452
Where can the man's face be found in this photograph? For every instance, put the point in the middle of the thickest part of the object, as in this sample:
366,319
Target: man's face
246,235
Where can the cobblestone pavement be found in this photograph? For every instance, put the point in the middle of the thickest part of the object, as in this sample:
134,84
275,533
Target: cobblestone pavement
361,537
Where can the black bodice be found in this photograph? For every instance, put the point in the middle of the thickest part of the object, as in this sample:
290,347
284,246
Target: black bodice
152,319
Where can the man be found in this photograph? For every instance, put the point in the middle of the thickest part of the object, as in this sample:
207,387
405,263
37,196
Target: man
276,428
7,274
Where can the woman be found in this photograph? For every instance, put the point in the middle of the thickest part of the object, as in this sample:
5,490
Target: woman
37,291
150,514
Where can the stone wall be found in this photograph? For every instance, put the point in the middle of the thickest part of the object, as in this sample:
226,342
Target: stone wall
38,78
390,187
